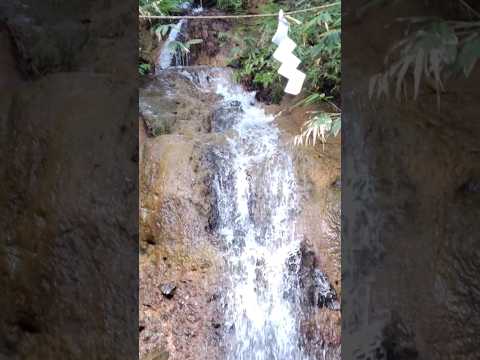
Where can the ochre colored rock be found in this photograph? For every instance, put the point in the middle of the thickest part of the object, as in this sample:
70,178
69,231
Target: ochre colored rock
176,216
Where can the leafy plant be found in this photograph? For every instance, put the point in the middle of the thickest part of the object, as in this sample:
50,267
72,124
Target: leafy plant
231,5
434,51
428,52
160,7
318,128
163,29
144,68
184,48
157,7
223,36
319,48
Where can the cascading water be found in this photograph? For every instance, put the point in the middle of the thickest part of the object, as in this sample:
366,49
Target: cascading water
168,53
256,201
270,290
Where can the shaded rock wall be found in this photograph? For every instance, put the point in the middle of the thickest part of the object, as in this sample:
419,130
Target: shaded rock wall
410,207
318,221
68,264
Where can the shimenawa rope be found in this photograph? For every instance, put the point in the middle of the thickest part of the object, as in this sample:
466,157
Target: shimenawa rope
204,17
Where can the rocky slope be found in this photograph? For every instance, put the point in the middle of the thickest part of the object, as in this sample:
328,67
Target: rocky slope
177,215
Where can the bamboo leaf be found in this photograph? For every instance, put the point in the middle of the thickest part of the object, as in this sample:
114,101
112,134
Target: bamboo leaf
419,68
371,86
401,76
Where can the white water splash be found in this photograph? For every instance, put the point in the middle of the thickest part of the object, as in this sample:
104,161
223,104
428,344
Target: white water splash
256,196
168,53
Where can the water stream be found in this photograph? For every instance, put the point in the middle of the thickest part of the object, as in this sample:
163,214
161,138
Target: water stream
169,54
256,196
256,200
255,193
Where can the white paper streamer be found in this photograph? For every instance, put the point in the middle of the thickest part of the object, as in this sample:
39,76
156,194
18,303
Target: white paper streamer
289,61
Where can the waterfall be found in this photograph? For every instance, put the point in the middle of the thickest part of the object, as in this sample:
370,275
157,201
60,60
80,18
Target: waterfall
256,202
167,55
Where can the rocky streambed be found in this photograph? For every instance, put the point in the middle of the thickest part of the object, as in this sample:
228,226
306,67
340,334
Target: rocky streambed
185,273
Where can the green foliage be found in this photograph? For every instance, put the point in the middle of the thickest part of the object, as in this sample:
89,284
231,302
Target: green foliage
163,29
321,124
257,66
428,51
318,39
435,50
159,7
319,48
223,37
318,128
184,48
231,5
144,68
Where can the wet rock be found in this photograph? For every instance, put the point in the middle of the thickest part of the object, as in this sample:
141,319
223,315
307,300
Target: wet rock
164,112
56,129
43,49
178,170
168,290
399,340
320,305
158,124
226,116
216,324
157,110
325,293
55,36
318,290
214,50
174,199
176,206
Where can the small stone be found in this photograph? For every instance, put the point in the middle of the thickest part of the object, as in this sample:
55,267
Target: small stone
168,290
337,184
216,324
